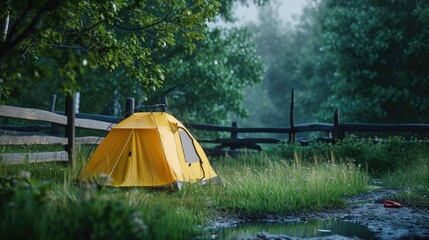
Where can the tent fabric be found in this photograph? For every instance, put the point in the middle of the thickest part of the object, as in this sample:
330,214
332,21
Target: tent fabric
149,149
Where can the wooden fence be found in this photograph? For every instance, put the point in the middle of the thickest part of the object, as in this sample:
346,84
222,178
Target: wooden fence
69,121
222,146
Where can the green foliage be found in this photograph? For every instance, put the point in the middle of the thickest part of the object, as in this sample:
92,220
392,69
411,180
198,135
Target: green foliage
275,186
207,85
21,203
89,219
367,58
378,157
97,219
169,216
275,47
172,54
294,59
252,185
67,38
379,50
86,213
285,179
412,182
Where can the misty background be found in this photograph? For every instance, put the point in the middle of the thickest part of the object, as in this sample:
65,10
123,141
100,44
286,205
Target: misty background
366,58
285,15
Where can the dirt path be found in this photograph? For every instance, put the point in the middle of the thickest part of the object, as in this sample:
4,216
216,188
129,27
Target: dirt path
366,209
386,223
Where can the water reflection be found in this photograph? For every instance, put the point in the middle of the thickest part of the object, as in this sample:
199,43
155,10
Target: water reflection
313,228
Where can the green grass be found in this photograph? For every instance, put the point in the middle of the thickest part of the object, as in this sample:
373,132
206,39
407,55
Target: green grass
412,182
279,181
377,157
260,185
67,210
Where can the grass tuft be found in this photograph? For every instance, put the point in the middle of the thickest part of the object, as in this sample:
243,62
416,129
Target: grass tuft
281,186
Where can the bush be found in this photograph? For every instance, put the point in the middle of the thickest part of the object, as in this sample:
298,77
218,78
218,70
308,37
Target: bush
377,156
30,211
94,218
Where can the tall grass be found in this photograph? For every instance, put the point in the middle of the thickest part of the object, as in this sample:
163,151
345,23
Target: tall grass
50,204
412,182
91,213
379,157
255,185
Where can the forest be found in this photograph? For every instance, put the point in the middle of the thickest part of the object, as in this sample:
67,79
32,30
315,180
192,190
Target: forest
366,58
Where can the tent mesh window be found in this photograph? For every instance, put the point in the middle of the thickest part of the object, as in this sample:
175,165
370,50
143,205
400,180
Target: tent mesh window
191,155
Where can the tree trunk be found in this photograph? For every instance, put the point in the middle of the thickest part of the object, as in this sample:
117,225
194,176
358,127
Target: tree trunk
4,24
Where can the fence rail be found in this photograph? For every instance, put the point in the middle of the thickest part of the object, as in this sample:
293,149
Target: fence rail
12,135
51,117
416,128
45,140
34,157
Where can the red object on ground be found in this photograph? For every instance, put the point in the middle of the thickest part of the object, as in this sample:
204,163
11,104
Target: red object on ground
392,204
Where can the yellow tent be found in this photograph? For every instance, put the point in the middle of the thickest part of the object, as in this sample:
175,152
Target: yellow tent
149,149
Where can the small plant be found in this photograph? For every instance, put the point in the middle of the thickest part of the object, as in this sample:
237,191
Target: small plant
20,204
95,218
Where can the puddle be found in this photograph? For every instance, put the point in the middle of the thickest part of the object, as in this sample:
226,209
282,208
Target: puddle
309,229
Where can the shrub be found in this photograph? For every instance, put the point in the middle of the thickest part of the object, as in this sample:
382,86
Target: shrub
28,210
378,157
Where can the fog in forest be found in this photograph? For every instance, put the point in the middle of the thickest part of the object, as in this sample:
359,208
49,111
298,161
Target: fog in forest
368,59
364,58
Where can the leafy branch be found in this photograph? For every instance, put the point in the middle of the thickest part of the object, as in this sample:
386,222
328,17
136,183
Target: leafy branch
12,40
141,28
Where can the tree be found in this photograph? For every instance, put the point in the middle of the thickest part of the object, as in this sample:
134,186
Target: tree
381,54
315,68
207,85
295,59
187,72
68,35
274,45
367,58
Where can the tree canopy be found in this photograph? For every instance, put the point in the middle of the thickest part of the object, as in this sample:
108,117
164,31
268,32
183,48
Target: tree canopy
207,85
367,58
64,37
112,50
381,53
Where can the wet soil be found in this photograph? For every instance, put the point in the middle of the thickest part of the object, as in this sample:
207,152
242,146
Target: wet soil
366,209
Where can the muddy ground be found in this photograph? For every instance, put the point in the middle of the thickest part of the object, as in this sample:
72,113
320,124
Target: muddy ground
366,209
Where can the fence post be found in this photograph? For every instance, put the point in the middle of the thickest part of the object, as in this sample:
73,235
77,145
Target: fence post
234,133
70,111
55,128
52,103
165,103
338,133
292,133
129,107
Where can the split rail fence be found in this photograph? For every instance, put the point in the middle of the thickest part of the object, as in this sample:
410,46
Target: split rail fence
222,146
